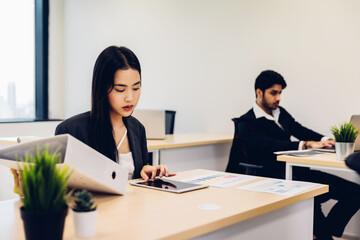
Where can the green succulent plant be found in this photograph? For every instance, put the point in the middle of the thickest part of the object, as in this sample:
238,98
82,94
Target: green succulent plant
83,202
43,184
346,132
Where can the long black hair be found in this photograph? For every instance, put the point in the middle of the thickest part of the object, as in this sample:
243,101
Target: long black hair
109,61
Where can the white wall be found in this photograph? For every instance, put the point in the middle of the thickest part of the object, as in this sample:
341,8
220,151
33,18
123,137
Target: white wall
201,57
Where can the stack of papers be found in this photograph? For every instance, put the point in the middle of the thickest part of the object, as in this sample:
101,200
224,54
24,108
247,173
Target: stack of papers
307,152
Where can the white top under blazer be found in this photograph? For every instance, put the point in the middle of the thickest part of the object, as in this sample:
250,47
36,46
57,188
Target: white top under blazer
126,159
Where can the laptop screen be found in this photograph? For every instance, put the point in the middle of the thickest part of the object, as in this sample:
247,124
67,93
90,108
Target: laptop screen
355,119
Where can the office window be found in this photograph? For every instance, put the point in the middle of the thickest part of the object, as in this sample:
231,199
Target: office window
23,60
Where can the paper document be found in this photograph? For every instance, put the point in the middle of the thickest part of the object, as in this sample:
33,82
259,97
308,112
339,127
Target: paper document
279,186
303,153
220,179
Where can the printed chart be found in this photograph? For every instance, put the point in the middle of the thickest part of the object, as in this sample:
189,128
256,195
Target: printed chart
220,179
277,186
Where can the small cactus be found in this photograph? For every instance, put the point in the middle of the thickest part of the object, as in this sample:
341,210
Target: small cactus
83,202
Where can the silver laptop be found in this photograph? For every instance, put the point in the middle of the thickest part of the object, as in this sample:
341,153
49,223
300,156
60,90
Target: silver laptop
355,119
153,121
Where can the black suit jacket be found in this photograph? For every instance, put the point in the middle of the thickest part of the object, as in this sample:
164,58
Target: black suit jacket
255,141
353,161
79,127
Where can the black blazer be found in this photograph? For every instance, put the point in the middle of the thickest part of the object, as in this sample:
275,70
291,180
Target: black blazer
79,127
255,141
353,162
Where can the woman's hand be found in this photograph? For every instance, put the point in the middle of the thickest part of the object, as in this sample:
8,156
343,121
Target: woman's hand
150,172
17,182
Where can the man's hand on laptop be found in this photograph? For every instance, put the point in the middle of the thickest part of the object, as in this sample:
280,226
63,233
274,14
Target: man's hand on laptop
321,144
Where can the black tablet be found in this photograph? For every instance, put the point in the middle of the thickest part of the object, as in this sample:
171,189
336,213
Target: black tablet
168,185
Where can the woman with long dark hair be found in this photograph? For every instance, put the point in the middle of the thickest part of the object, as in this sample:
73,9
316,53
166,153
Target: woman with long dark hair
109,127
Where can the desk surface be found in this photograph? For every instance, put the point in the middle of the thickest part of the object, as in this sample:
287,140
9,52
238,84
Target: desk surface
189,140
8,140
150,214
328,160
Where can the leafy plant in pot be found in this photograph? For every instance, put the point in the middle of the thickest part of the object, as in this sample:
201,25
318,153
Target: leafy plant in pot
84,214
43,194
345,136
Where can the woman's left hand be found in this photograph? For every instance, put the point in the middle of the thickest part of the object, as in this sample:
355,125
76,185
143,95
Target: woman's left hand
150,172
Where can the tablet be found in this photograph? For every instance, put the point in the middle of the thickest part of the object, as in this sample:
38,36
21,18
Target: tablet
168,185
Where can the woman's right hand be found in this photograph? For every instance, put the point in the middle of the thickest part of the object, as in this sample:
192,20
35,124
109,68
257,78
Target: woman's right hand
149,172
17,182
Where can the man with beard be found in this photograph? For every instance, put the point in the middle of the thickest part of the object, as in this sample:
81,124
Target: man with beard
267,128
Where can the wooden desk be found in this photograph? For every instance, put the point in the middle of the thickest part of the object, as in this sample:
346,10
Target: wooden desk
149,214
204,142
171,140
188,140
326,161
174,141
8,140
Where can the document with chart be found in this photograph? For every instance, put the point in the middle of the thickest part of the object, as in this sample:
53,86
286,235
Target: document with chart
220,179
279,186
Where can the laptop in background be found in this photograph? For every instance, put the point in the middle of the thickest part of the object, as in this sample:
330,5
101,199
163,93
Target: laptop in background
153,121
355,119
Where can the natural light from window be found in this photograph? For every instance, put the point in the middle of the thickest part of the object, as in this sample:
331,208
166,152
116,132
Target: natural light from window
17,60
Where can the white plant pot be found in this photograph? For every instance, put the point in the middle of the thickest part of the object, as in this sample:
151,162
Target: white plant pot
84,223
344,149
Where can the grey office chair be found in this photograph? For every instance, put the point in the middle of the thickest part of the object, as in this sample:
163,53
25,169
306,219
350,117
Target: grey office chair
238,159
250,169
169,121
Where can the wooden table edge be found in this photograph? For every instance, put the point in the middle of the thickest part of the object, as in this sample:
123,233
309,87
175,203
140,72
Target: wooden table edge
223,223
291,159
190,144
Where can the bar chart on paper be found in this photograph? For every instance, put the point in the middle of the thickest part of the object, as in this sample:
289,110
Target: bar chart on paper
220,179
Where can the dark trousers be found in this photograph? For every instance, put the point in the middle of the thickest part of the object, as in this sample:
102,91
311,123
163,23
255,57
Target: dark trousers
345,192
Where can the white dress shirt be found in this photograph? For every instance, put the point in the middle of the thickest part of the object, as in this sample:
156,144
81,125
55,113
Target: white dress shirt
259,112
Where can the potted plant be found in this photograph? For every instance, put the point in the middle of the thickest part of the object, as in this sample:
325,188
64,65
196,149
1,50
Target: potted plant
345,137
84,214
43,194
